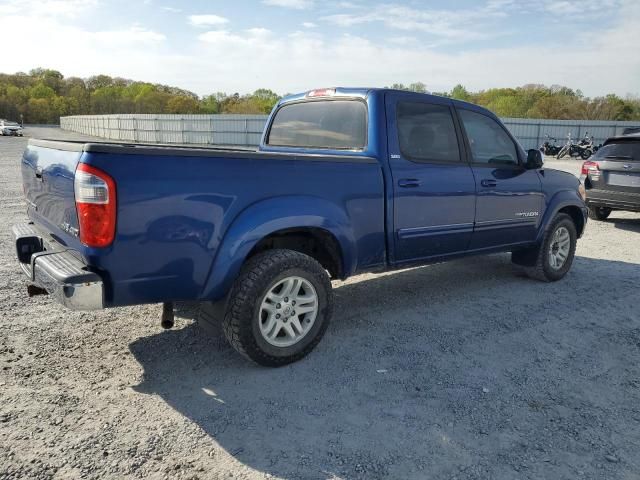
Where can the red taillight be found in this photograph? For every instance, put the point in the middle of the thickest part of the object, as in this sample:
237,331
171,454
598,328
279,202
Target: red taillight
589,167
95,193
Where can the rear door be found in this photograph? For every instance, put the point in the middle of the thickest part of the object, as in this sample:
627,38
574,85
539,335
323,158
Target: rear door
433,186
509,200
618,173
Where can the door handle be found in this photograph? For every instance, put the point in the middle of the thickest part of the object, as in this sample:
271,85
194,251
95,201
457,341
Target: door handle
409,182
488,183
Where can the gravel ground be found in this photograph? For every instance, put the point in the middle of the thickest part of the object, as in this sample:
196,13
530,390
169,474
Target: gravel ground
462,370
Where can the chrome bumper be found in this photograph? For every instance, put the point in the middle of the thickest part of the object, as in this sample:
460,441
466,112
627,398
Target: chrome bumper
60,272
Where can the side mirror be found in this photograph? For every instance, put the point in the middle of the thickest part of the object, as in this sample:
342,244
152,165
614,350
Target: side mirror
534,159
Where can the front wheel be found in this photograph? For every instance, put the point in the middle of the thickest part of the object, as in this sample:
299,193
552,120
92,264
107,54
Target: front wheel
278,308
585,154
551,260
562,153
599,213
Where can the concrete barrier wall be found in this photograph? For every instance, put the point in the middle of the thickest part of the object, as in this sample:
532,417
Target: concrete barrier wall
172,129
247,129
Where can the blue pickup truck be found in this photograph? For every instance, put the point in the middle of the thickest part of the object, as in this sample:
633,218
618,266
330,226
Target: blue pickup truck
344,181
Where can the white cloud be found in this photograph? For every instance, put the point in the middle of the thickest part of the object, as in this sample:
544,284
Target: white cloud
171,9
454,25
403,40
207,20
296,4
346,60
225,59
258,38
131,35
309,25
47,8
347,5
570,7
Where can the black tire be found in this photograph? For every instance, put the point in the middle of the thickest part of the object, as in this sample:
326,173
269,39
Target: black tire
241,320
536,261
563,151
599,213
585,154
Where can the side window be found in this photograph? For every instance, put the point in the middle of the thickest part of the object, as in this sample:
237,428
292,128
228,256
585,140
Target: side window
426,132
488,141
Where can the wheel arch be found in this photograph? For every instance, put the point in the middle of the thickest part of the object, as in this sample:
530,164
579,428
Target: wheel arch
310,225
576,215
316,242
565,201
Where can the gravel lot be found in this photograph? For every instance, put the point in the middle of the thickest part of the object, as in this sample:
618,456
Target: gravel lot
462,370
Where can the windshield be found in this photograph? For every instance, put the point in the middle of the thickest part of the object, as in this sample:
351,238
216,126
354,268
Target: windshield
338,124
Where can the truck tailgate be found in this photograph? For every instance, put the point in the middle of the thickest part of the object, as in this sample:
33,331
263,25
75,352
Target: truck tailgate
47,177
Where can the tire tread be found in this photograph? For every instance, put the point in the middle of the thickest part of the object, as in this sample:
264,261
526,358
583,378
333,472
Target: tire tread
537,270
242,296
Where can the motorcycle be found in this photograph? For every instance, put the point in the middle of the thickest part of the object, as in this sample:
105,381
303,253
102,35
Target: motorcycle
549,148
582,149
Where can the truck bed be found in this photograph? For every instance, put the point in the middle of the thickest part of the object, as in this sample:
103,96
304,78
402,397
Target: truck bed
181,211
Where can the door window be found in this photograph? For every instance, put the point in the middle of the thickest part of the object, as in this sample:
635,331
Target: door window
426,132
488,141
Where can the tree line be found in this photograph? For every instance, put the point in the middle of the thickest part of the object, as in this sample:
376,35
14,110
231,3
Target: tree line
539,101
44,95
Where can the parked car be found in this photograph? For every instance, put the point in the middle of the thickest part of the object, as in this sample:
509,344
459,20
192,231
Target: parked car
344,181
8,128
631,130
612,177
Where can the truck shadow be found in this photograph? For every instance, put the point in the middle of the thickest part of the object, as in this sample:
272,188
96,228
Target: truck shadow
629,224
422,371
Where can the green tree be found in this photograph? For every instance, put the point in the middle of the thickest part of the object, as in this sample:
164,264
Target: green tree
182,104
460,93
42,95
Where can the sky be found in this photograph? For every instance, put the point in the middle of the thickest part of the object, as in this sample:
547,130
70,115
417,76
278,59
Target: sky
296,45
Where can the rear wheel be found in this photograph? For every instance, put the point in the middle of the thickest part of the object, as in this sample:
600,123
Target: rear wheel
585,154
599,213
552,259
278,308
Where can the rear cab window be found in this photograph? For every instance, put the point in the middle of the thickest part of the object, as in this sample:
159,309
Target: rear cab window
320,124
624,150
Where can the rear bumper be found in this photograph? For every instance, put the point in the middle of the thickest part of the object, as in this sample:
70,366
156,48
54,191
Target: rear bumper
615,200
59,271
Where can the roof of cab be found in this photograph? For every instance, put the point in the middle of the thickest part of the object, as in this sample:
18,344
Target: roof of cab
364,92
629,137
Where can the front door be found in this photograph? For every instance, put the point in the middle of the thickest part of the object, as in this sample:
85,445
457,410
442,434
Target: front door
509,203
433,185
